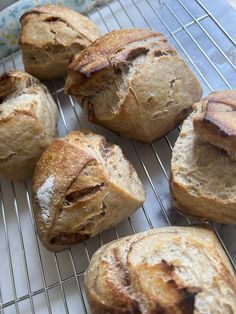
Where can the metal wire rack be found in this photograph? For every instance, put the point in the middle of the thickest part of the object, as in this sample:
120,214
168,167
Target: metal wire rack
32,280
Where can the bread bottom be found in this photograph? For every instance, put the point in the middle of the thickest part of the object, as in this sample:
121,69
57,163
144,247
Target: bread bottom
47,70
195,209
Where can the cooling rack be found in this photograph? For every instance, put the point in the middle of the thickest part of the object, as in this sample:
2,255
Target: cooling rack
32,280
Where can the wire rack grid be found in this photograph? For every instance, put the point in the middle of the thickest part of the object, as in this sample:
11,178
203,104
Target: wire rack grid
32,280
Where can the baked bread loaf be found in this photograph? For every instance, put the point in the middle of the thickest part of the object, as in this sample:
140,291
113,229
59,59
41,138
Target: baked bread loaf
173,270
215,121
133,82
203,177
28,118
50,35
82,185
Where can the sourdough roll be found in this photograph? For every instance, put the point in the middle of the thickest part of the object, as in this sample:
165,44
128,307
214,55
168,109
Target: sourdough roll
133,82
50,35
28,118
172,270
215,120
203,177
82,185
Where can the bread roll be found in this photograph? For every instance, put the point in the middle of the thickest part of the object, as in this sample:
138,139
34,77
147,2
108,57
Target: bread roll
133,82
50,35
82,185
203,177
172,270
28,118
215,121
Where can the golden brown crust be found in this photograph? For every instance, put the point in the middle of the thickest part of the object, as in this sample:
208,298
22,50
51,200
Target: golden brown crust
134,83
111,50
50,35
54,13
169,270
13,80
28,117
215,120
75,196
57,162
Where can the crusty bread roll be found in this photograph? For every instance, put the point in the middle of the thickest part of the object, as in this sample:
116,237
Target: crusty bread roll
50,35
28,118
172,270
82,185
215,120
134,83
203,177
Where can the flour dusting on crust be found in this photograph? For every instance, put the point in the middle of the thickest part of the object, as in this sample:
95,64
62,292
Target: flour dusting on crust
44,196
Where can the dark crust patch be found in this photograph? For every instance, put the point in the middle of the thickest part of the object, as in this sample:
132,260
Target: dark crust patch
219,127
125,55
7,85
188,299
166,267
207,121
161,53
122,268
133,304
10,82
6,158
186,296
68,238
84,194
53,19
159,309
226,101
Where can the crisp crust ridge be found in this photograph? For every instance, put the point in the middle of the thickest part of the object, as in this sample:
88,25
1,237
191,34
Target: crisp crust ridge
215,121
98,55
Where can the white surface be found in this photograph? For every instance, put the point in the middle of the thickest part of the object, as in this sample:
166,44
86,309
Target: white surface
44,196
